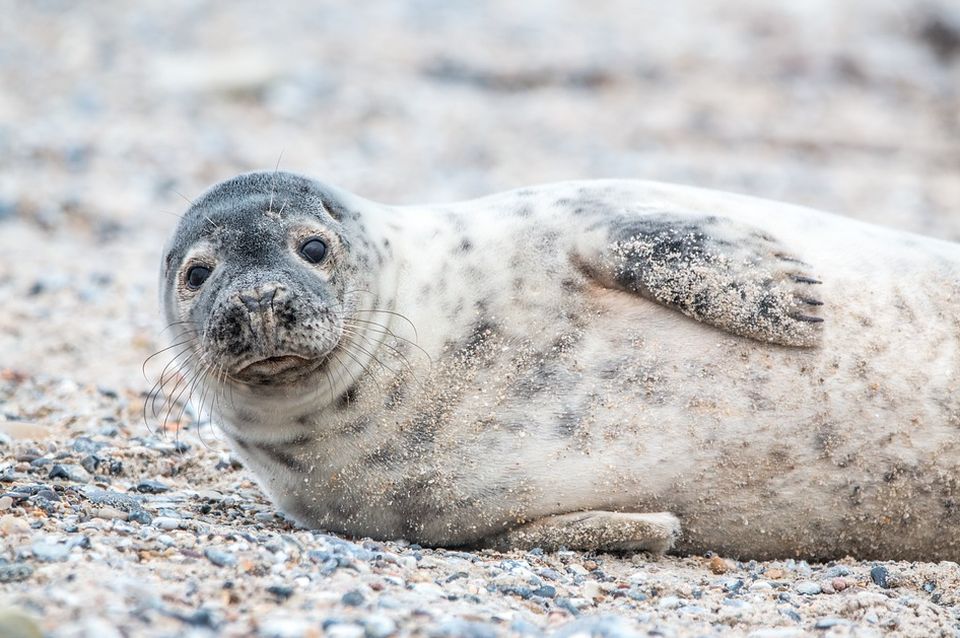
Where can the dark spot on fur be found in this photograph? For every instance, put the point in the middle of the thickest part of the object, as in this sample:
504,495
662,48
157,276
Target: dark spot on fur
348,397
356,426
465,245
568,422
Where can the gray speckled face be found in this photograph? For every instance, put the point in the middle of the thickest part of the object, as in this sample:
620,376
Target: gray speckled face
256,273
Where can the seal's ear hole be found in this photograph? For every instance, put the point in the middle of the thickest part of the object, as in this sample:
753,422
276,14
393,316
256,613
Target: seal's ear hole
196,276
313,250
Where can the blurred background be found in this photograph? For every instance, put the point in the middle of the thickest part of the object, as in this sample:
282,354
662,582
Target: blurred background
112,114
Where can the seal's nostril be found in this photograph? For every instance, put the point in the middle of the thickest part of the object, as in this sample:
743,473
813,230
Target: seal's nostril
258,298
251,302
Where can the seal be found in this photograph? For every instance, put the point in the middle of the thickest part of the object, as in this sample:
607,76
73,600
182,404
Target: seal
604,365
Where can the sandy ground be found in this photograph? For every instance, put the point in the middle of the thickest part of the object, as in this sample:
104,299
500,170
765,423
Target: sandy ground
112,116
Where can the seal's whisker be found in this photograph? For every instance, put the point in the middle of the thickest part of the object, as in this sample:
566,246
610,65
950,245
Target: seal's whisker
179,378
374,357
356,360
382,329
397,354
188,382
150,402
143,367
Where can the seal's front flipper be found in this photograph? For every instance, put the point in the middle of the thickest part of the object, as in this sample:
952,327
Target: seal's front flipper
593,531
723,273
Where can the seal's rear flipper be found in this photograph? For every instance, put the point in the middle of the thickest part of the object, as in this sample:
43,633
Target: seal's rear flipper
593,531
729,275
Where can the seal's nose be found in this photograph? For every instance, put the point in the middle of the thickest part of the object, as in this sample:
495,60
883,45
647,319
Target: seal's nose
260,297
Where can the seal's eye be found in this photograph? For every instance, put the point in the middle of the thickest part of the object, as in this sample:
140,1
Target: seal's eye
196,276
313,250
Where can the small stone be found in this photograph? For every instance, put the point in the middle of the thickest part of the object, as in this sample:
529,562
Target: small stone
774,573
839,584
152,487
718,566
808,588
546,591
378,626
669,602
827,587
16,624
166,523
353,598
282,592
577,570
760,585
591,589
837,570
777,632
139,516
86,445
14,572
880,576
733,585
827,623
110,513
590,565
6,502
70,472
90,463
50,552
218,557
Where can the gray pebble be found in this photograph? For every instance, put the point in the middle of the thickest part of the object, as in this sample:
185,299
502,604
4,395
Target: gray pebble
353,598
808,588
836,571
152,487
378,626
219,557
70,472
166,523
827,623
50,552
879,575
86,445
547,591
282,592
597,627
13,572
465,629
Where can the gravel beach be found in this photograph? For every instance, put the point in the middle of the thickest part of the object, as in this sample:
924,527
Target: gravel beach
113,115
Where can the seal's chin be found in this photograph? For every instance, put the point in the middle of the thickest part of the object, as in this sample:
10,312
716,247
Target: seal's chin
277,370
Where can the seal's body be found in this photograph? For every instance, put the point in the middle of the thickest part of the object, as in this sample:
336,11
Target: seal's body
580,364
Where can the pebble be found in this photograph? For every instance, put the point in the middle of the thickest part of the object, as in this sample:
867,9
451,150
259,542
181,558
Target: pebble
827,623
718,566
669,602
166,523
880,576
760,585
70,472
545,591
219,557
353,598
281,592
6,502
16,624
152,487
14,572
777,632
808,588
378,626
49,552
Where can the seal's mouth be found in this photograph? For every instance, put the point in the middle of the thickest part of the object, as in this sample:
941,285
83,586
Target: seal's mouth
276,369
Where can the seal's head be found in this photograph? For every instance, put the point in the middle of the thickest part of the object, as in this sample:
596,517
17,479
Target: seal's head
255,278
